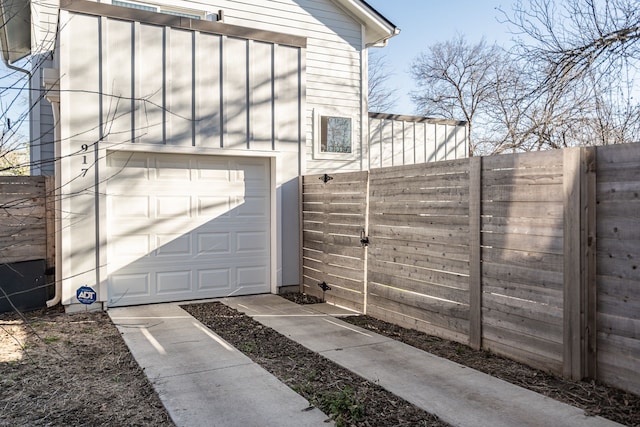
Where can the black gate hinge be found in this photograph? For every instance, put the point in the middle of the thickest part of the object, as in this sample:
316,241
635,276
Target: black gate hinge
325,178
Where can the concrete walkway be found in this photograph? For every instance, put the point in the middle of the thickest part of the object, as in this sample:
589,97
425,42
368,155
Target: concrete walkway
201,382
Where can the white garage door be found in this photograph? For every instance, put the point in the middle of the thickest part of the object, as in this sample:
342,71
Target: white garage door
186,226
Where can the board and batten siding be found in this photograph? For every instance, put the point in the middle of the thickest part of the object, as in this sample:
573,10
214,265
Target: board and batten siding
396,140
334,61
134,80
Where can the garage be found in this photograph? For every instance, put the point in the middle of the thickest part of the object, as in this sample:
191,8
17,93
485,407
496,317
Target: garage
183,227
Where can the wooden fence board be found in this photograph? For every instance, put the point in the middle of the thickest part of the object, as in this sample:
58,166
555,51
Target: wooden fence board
331,218
454,326
455,252
523,193
441,167
527,351
425,192
427,261
524,242
521,177
355,252
528,226
527,259
454,237
451,180
524,210
525,275
410,281
343,229
405,319
538,160
413,277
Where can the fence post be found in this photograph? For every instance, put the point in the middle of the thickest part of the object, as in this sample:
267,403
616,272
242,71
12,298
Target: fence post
50,224
588,236
579,263
475,266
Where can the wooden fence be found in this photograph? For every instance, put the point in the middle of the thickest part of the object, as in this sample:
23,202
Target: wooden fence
533,256
26,219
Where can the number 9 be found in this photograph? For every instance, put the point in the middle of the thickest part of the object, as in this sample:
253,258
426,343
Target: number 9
85,147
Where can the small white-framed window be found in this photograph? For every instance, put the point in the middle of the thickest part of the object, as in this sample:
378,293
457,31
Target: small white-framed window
334,136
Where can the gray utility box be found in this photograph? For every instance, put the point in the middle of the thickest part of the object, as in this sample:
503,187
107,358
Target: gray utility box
24,285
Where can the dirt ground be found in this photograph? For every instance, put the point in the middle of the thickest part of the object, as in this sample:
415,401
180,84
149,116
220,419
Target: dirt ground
71,370
61,370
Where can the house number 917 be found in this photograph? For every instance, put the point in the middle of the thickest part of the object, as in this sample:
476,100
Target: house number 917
84,148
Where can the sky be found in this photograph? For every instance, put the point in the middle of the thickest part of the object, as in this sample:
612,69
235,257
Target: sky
424,22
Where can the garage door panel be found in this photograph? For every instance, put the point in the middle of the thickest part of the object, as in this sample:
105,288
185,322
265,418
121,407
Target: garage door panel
128,166
214,279
173,282
130,285
173,168
250,276
189,227
213,243
252,242
252,207
129,206
173,207
171,245
131,245
213,207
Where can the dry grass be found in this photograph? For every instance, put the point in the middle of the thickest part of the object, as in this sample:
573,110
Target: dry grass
71,370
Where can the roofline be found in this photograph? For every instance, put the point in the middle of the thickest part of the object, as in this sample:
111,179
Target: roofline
381,28
381,16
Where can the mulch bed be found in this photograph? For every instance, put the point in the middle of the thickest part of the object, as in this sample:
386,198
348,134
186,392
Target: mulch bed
348,398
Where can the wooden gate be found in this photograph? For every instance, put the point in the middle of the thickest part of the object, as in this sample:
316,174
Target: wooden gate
334,219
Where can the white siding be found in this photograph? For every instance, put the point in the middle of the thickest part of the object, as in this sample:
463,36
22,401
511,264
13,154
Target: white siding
406,140
137,86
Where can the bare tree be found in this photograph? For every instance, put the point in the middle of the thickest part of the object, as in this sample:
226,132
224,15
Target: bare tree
584,53
456,79
382,99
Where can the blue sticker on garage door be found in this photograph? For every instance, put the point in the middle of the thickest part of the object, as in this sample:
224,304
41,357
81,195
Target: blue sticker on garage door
86,295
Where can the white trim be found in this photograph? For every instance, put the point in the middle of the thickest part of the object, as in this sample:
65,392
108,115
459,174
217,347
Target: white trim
276,257
176,149
317,131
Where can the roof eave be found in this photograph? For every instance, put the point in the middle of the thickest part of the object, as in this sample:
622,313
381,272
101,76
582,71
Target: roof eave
379,28
15,29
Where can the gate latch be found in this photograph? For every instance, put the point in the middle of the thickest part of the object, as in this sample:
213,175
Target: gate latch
364,240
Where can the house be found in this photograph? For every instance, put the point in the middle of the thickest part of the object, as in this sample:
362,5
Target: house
180,131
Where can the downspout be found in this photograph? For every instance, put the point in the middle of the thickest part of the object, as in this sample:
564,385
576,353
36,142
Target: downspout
50,81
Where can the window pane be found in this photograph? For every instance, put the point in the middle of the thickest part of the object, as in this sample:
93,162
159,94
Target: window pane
335,134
